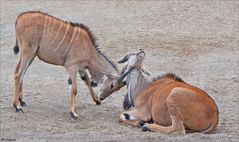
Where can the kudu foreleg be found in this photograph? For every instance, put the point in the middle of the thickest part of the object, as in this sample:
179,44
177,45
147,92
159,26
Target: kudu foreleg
72,71
87,81
134,118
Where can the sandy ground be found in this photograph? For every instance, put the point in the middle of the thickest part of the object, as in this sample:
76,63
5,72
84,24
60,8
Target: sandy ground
197,40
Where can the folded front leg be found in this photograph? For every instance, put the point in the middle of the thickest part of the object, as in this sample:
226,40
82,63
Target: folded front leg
135,118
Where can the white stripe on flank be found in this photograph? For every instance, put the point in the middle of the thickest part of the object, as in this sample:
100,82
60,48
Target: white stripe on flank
48,27
72,38
57,33
63,36
44,24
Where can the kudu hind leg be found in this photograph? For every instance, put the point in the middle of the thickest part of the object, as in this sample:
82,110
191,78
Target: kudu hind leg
87,81
177,126
177,121
72,71
21,68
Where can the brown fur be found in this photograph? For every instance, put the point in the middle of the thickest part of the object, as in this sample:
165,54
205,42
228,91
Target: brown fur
58,42
168,75
167,101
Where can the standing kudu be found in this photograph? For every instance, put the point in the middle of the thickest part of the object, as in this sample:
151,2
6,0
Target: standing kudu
166,104
60,43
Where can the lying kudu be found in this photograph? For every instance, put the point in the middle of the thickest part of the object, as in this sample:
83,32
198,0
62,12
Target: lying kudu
61,43
166,104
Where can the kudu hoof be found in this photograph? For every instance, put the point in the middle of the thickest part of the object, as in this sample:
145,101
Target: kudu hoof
141,123
98,102
23,103
145,129
18,110
73,116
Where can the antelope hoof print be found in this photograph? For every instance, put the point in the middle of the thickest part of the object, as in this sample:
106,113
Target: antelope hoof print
145,129
74,116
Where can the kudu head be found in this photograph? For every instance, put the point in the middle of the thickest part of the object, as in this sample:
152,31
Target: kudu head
109,85
112,83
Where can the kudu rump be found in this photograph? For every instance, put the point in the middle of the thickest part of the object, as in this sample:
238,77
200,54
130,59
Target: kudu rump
61,43
165,104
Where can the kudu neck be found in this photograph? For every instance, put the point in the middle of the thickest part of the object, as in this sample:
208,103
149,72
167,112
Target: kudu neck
137,82
100,65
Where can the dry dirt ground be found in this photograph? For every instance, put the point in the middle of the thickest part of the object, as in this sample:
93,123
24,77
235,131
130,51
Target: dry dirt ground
199,41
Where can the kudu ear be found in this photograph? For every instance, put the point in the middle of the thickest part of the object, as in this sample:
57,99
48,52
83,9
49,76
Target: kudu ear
126,58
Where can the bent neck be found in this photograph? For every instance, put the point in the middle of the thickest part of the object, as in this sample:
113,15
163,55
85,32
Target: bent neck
137,81
99,65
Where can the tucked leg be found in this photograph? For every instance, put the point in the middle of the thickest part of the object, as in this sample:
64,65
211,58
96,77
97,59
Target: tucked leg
177,122
88,83
134,118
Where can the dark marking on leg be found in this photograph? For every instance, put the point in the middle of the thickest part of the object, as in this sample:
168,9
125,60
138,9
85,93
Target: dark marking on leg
69,81
126,115
93,84
83,78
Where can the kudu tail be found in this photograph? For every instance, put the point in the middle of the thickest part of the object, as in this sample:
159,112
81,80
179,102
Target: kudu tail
16,48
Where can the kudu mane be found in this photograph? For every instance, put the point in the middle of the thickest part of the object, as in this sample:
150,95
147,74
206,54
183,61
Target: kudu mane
169,75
